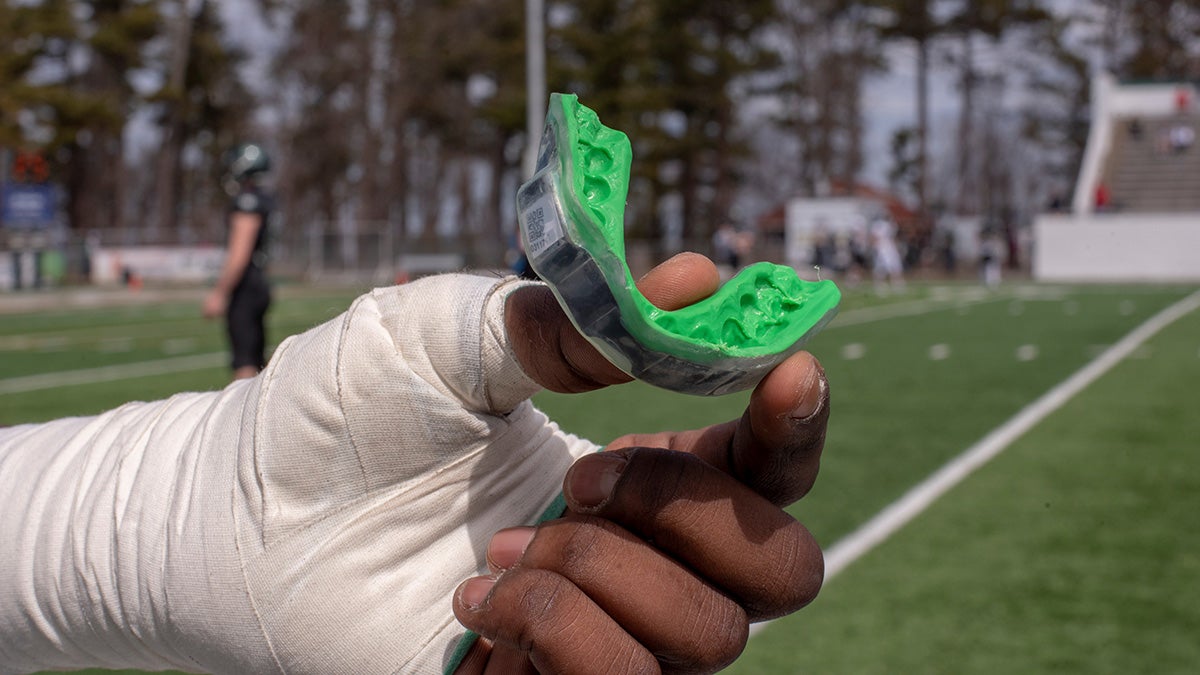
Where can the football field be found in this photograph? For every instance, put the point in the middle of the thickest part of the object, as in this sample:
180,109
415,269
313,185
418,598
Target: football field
1009,484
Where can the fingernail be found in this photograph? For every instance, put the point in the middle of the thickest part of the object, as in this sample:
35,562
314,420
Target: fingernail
474,591
810,393
507,546
591,480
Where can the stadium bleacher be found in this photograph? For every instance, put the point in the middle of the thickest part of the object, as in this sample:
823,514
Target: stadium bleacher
1135,212
1146,173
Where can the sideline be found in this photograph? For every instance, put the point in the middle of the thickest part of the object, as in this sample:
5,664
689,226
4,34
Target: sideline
902,511
21,385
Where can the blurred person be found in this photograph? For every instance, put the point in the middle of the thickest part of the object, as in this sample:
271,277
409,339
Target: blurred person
1181,138
1103,197
991,257
947,250
886,265
242,294
338,512
824,246
859,245
1134,127
727,250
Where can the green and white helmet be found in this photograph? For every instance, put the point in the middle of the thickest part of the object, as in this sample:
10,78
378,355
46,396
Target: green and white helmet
246,160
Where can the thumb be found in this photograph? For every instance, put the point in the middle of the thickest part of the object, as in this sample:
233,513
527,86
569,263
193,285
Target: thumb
559,358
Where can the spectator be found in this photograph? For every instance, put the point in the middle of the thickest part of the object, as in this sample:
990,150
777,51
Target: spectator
1182,137
1135,129
1103,198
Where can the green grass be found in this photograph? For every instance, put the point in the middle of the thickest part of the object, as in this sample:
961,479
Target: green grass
55,341
1063,555
1073,552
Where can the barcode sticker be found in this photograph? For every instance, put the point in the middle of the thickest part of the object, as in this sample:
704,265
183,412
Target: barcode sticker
542,226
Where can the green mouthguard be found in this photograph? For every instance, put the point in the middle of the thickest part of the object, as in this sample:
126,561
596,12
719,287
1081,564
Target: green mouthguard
571,215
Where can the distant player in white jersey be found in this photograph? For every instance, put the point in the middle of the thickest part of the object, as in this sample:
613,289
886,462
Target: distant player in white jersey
887,267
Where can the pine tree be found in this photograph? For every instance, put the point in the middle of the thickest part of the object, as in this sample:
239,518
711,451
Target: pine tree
914,21
202,105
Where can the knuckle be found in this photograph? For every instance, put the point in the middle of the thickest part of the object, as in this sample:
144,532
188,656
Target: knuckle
577,553
531,601
717,633
572,546
663,476
793,576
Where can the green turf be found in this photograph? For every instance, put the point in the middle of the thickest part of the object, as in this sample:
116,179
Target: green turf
897,415
56,341
1073,552
925,606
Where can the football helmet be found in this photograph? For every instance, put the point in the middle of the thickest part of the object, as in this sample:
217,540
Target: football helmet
246,160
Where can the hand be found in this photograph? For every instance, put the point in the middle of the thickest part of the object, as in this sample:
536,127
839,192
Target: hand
214,304
673,542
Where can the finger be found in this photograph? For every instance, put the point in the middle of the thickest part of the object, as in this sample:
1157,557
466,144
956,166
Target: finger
686,623
775,448
546,616
485,658
685,279
506,660
736,539
556,356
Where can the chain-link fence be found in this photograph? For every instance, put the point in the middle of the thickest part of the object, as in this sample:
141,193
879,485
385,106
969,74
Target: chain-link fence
358,252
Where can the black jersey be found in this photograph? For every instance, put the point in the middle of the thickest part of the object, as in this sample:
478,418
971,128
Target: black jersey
251,297
253,199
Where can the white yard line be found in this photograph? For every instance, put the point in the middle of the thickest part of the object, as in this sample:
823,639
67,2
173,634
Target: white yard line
68,378
856,317
902,511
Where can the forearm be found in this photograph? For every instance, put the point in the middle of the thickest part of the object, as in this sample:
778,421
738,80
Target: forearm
95,529
232,272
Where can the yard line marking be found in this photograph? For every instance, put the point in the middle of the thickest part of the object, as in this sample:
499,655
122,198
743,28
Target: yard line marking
855,317
178,345
1027,352
53,344
920,497
67,378
115,345
199,361
854,351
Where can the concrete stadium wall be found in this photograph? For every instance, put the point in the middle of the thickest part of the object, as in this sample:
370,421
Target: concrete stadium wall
1117,247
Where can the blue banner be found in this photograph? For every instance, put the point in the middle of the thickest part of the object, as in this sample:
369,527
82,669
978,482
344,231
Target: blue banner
30,207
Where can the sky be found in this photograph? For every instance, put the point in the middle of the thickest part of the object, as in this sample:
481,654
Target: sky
889,103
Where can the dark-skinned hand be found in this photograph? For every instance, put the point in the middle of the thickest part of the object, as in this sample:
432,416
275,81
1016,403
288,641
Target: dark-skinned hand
673,542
